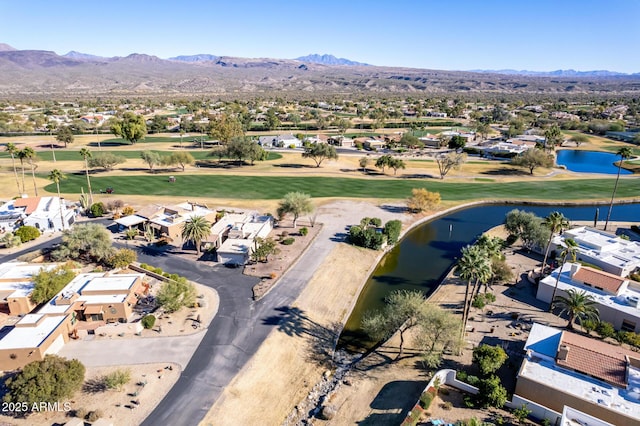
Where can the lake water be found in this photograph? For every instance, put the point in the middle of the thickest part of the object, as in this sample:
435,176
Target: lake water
425,255
589,161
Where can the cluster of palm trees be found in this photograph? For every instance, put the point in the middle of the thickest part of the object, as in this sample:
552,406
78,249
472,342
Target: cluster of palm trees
26,154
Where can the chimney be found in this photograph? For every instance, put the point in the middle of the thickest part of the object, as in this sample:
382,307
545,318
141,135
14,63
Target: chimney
575,267
563,353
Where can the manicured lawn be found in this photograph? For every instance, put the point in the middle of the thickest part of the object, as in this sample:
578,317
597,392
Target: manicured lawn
65,155
155,139
274,187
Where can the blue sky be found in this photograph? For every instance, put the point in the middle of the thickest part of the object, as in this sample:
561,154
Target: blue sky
538,35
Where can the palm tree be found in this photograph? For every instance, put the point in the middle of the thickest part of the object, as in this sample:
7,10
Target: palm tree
473,265
579,306
556,222
624,153
27,153
195,230
86,154
570,249
56,176
13,151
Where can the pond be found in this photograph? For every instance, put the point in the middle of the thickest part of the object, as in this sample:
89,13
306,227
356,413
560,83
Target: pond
589,161
422,259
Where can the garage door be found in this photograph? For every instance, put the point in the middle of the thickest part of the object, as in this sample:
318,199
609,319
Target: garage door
55,346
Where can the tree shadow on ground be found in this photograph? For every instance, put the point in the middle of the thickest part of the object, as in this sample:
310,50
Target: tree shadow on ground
94,386
394,209
419,176
293,321
506,172
295,166
224,164
397,394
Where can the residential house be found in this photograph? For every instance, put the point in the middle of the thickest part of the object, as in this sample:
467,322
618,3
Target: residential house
48,214
511,147
280,141
234,236
430,141
166,220
565,369
16,285
371,143
617,298
341,141
602,249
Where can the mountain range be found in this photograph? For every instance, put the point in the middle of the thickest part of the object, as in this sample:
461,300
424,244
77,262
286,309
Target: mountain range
45,74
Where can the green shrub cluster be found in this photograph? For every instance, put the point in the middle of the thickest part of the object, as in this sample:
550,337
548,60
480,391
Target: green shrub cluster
369,235
288,241
97,209
304,231
27,233
148,321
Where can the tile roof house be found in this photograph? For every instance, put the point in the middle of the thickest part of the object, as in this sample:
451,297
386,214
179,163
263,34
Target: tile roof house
567,369
617,298
43,213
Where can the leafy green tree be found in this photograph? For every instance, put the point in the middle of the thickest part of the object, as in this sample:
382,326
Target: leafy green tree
421,199
256,153
158,124
532,159
27,233
489,358
483,128
366,236
239,148
569,251
364,162
13,152
319,152
397,163
152,158
457,142
86,242
410,141
392,230
226,128
403,310
553,137
51,380
122,258
624,153
384,161
86,155
195,230
105,161
437,333
579,139
49,283
450,161
578,305
295,203
56,176
64,134
272,120
491,393
131,127
556,222
179,158
265,247
526,226
174,295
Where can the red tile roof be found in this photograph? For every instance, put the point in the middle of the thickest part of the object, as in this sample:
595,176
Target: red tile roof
595,278
31,204
595,358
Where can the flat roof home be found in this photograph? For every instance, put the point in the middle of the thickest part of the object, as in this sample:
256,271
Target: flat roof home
602,249
16,285
235,236
567,369
280,141
617,298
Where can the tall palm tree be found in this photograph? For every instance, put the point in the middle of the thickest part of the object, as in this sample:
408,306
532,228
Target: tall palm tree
195,230
473,266
570,250
556,222
56,176
27,153
578,305
86,154
624,153
13,151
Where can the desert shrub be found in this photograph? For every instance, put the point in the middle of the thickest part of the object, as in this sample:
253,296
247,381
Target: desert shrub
80,413
605,329
392,230
148,321
489,358
491,393
158,271
97,209
27,233
462,376
521,413
94,415
127,211
425,400
122,258
144,266
173,295
468,401
447,405
304,231
473,380
117,379
10,240
288,241
490,297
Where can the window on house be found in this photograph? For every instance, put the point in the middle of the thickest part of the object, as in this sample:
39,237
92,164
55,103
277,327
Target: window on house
628,326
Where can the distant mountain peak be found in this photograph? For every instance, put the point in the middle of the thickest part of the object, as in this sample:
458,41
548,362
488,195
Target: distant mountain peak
82,56
6,48
327,59
201,57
